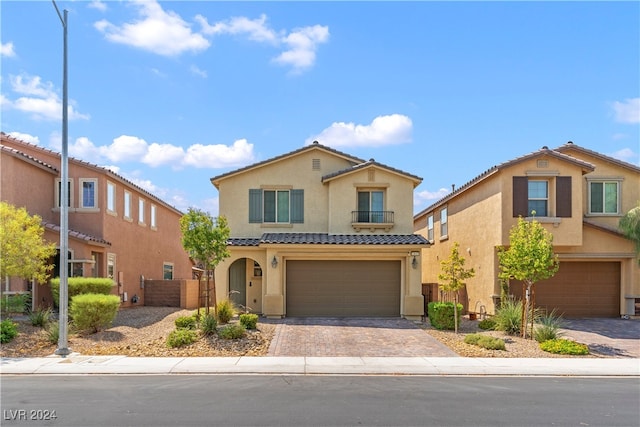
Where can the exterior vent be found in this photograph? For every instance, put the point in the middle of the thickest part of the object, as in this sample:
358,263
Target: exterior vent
543,164
372,175
315,164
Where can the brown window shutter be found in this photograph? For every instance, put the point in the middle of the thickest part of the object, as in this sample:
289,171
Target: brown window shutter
520,196
563,197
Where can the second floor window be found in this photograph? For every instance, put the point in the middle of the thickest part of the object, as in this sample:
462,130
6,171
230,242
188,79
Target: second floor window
89,190
430,228
127,205
538,196
141,211
370,206
111,197
153,216
276,206
444,223
59,193
603,197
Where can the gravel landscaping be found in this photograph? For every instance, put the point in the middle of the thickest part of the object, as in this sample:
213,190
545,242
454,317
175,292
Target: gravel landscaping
143,331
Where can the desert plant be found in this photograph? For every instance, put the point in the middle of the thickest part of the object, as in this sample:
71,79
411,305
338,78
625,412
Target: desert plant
81,285
564,346
453,276
508,317
485,341
93,312
181,337
40,317
53,332
208,324
225,311
17,303
487,324
8,330
186,322
249,320
442,316
547,327
232,331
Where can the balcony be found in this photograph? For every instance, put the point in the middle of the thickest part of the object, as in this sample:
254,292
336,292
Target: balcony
372,220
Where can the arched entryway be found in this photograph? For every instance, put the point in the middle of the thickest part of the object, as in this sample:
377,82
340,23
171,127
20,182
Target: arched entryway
245,285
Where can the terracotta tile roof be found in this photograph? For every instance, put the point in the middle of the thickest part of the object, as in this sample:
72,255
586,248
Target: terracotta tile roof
571,146
484,175
91,166
602,227
369,163
76,234
17,153
313,146
343,239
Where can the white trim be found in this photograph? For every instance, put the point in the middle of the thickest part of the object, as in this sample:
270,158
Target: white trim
96,193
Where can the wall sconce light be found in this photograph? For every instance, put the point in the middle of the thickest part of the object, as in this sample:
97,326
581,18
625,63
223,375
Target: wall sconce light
274,262
414,261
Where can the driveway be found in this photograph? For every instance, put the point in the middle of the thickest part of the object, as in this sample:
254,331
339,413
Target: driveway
353,337
606,336
395,337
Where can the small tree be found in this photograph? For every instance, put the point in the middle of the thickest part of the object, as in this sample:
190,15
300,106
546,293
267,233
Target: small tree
529,258
205,239
453,276
630,227
23,250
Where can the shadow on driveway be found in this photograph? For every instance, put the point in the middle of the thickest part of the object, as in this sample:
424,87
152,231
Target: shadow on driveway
606,336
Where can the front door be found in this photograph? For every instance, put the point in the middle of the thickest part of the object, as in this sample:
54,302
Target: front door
238,283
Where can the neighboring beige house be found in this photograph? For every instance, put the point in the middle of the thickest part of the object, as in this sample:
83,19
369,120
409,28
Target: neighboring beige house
317,232
116,229
579,196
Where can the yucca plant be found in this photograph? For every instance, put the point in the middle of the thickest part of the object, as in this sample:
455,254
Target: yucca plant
548,327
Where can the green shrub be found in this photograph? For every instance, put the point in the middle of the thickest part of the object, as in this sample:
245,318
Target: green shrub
232,331
547,327
8,331
485,341
186,322
564,346
82,285
249,320
441,315
40,317
487,324
17,303
208,324
181,337
53,332
225,310
93,312
508,317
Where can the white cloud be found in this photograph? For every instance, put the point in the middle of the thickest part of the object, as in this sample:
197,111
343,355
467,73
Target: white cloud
41,100
82,148
627,111
383,130
219,156
256,29
198,72
99,5
25,137
125,148
6,49
157,31
420,197
162,154
302,44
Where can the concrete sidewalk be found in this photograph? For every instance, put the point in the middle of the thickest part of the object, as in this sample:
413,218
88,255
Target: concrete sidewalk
458,366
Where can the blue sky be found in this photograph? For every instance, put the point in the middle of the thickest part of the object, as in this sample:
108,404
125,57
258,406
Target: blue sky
169,94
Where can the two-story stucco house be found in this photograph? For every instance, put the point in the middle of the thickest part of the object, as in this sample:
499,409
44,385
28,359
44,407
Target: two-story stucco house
317,232
578,195
116,229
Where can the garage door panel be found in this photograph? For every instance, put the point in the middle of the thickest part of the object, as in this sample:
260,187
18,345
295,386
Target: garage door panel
343,288
579,289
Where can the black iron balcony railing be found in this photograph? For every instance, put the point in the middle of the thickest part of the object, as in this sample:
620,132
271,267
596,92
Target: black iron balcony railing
372,217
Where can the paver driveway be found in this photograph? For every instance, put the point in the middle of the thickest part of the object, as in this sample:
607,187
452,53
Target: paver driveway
606,336
354,337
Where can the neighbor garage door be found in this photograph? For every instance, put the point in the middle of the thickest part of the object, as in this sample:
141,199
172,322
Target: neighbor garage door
343,288
580,289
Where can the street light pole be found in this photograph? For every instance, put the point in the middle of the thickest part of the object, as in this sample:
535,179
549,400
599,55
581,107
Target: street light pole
63,303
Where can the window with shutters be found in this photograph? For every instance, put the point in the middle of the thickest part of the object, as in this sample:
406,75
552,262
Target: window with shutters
547,196
276,206
604,197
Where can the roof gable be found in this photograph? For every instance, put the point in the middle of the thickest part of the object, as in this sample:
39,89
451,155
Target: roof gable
570,147
369,165
308,148
544,151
